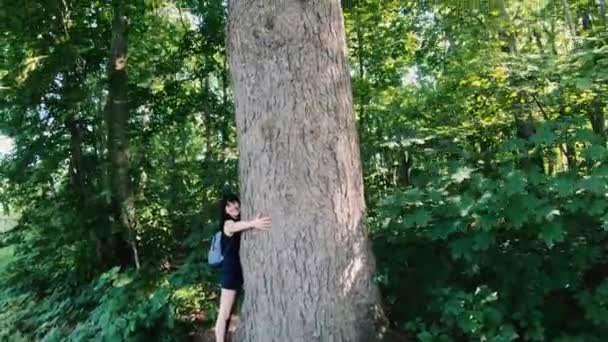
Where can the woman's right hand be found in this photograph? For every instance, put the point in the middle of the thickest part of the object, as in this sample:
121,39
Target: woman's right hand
261,223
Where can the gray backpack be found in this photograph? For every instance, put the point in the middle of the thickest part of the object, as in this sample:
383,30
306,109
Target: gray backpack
215,255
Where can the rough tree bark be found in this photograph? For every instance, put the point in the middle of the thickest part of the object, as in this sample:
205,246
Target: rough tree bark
310,278
80,180
117,117
72,94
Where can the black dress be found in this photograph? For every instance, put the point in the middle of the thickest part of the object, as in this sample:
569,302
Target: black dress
231,274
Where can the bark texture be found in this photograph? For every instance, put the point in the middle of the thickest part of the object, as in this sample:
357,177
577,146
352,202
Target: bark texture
117,117
310,278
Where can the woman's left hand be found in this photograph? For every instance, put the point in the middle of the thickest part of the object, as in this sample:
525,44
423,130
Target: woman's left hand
261,223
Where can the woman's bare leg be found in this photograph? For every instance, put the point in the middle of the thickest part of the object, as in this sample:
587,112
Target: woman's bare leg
226,302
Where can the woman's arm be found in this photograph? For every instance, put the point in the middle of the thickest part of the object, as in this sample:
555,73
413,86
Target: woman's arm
261,223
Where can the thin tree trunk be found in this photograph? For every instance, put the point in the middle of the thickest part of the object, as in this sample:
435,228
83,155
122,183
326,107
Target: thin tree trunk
551,37
510,34
76,169
406,164
569,21
80,180
568,149
362,119
595,111
596,116
224,120
309,279
602,5
538,41
586,21
570,154
117,119
525,126
207,114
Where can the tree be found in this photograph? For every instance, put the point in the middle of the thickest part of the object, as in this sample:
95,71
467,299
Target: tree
311,277
117,113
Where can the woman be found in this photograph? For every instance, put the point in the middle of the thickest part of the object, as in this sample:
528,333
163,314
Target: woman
231,279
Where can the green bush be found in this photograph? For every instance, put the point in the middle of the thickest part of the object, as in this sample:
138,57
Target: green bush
498,256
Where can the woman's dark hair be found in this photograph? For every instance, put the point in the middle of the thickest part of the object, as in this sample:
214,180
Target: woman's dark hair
227,197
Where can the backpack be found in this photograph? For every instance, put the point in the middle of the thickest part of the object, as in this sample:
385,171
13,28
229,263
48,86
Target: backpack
215,255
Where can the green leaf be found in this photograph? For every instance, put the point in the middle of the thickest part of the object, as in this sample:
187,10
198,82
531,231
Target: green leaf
462,174
544,135
515,182
425,336
604,221
483,240
464,203
516,212
593,184
419,217
584,83
551,233
585,135
551,214
462,247
564,186
595,153
443,229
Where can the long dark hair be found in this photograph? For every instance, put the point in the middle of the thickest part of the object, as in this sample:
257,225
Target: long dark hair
227,197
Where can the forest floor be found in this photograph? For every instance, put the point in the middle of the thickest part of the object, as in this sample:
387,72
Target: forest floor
207,335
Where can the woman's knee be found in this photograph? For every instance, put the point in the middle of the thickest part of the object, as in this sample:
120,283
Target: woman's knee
223,315
226,302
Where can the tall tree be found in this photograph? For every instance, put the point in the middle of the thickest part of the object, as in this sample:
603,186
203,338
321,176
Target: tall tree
117,116
311,277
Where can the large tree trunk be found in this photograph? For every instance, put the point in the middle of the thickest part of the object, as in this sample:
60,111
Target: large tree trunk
310,278
80,181
117,116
